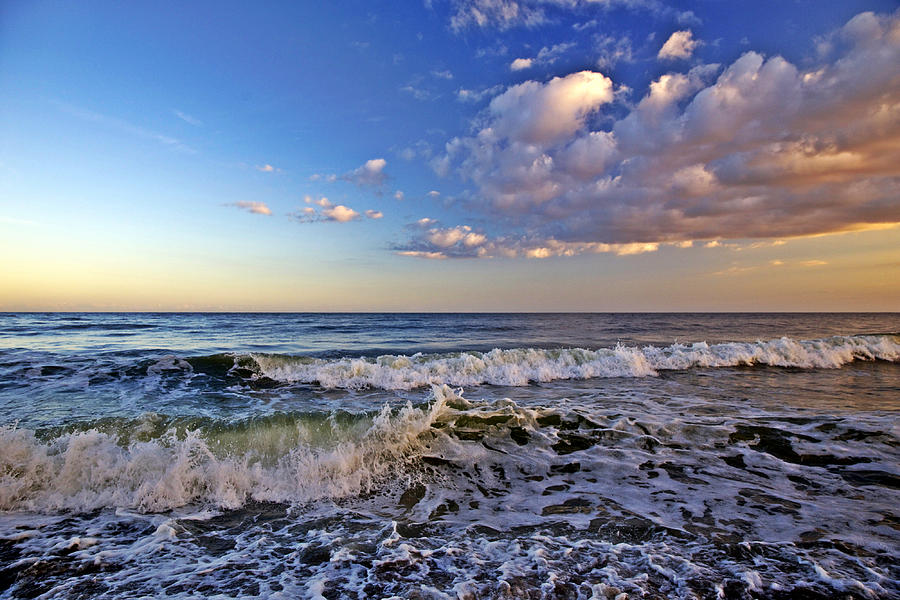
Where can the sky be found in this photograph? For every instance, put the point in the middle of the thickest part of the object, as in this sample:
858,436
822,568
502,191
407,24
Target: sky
450,155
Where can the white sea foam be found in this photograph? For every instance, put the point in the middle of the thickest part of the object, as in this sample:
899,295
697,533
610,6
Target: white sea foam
93,469
518,367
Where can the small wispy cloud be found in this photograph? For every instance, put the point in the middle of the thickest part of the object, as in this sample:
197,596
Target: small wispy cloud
267,168
545,56
327,177
467,95
188,118
374,214
123,126
445,74
257,208
416,92
737,269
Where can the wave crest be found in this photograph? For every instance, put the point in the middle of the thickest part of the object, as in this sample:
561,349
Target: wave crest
87,470
518,367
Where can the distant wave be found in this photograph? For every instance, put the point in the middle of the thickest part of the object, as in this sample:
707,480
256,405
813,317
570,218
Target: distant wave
521,366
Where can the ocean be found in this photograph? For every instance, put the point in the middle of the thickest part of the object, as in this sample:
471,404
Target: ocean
443,456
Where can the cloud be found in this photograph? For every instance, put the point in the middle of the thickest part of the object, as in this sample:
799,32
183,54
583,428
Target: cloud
416,92
497,49
330,178
420,148
502,14
268,169
535,113
258,208
369,174
188,118
445,74
680,44
521,64
433,194
374,214
466,95
398,195
123,126
612,50
737,269
506,14
328,212
340,213
420,254
760,149
462,241
546,56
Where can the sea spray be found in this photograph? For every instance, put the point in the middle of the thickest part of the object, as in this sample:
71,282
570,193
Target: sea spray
90,469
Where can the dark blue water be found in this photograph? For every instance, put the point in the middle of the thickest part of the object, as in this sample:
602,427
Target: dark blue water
448,455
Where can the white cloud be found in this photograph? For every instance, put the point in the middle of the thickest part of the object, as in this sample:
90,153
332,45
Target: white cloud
537,113
369,174
520,64
445,74
258,208
398,195
268,169
340,213
329,212
680,44
759,149
374,214
433,194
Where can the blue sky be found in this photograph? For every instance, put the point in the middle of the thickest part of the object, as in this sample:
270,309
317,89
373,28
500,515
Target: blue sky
456,155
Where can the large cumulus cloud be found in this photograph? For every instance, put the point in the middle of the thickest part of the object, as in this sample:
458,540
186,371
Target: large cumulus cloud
758,149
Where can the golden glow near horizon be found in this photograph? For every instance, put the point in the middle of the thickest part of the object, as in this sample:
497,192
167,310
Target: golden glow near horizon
848,271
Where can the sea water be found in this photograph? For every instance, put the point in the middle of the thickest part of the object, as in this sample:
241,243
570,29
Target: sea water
449,455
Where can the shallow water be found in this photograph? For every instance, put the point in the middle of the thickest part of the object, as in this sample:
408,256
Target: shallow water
460,456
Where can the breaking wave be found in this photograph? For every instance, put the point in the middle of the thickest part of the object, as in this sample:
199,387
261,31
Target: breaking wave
518,367
150,465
